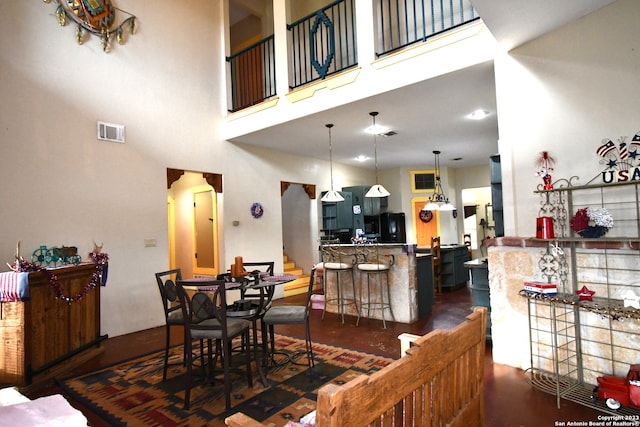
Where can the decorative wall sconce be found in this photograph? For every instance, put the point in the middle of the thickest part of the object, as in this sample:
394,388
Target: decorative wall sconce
96,17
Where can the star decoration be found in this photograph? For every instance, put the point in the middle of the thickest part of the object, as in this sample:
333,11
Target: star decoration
585,294
612,163
634,154
631,299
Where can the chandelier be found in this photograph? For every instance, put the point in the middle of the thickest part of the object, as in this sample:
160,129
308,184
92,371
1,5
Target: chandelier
377,190
331,195
438,201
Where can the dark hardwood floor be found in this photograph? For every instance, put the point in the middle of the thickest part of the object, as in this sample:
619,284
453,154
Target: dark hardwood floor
509,399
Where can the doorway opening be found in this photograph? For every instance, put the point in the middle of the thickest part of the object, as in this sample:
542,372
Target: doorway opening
299,229
478,219
193,226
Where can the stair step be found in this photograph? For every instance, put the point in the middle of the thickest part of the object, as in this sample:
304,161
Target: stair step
296,287
295,271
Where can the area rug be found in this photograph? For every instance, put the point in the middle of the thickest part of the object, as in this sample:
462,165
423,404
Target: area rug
132,393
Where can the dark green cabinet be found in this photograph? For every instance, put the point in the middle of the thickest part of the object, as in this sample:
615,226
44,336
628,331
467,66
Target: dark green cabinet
365,210
337,215
454,273
425,284
496,194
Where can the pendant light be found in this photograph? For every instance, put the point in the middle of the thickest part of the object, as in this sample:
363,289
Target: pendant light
377,190
438,201
331,195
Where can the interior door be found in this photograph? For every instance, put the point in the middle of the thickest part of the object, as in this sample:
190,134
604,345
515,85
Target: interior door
426,227
204,235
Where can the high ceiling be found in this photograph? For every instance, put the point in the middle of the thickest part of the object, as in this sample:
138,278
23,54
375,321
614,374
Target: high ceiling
430,115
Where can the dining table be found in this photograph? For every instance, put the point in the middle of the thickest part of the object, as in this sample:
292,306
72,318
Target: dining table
256,293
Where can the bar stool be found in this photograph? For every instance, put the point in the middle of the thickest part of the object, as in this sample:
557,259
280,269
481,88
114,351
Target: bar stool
341,264
373,264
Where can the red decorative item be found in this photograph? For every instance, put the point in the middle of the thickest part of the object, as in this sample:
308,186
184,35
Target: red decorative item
580,221
585,294
544,164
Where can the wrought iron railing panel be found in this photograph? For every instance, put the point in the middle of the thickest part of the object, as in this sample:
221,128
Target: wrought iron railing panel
322,43
253,74
400,23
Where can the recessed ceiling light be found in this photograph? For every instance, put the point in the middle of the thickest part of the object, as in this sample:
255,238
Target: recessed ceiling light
378,130
362,158
478,115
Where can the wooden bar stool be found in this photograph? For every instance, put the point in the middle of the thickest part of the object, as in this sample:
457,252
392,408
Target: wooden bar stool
374,264
340,264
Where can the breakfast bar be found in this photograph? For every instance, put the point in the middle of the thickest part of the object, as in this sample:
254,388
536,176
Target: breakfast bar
403,281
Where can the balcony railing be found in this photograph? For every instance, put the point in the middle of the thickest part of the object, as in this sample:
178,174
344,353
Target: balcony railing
322,43
253,74
400,23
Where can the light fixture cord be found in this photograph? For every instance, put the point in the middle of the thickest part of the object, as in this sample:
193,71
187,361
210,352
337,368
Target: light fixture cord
375,145
329,125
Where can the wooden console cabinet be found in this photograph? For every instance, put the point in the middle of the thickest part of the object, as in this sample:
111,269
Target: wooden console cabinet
46,336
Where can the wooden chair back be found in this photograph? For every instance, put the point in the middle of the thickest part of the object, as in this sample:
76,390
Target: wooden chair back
467,242
436,262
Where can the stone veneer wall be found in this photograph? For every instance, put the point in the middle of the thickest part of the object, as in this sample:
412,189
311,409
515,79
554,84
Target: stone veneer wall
608,346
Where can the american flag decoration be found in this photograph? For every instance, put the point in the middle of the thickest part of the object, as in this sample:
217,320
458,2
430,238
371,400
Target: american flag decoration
620,156
544,164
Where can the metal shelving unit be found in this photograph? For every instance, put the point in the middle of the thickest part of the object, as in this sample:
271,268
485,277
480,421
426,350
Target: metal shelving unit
572,341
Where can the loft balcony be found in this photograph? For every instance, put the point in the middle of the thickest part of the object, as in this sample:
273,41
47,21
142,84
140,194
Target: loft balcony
334,46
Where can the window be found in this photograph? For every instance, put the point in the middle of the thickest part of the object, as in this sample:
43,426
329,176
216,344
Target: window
423,181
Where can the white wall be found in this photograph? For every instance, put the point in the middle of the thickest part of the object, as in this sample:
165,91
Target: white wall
60,186
564,93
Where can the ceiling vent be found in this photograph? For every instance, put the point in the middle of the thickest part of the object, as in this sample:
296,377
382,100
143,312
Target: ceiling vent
110,132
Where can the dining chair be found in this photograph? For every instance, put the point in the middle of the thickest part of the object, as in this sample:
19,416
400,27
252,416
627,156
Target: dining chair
265,267
172,309
206,319
288,315
436,262
467,242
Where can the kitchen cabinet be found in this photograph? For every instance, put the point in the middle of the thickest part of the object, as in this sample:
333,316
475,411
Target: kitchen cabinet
337,216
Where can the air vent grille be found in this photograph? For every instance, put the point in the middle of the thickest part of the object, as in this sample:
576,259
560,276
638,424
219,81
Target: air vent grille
110,132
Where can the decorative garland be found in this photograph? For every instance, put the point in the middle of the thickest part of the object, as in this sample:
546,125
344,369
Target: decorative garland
101,260
592,222
614,313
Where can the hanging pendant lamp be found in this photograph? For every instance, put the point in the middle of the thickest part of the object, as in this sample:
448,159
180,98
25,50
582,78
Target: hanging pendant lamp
331,195
377,190
438,201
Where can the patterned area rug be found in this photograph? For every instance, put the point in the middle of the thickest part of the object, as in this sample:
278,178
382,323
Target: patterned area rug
132,393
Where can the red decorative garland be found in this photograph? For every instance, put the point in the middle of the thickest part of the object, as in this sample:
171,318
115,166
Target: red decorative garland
101,259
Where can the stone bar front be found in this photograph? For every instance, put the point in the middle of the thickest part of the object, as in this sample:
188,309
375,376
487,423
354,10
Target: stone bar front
403,282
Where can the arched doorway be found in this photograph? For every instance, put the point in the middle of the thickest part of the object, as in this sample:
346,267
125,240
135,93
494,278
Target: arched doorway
193,221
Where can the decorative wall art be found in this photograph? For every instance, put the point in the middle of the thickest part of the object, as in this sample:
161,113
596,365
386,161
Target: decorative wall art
256,210
97,17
